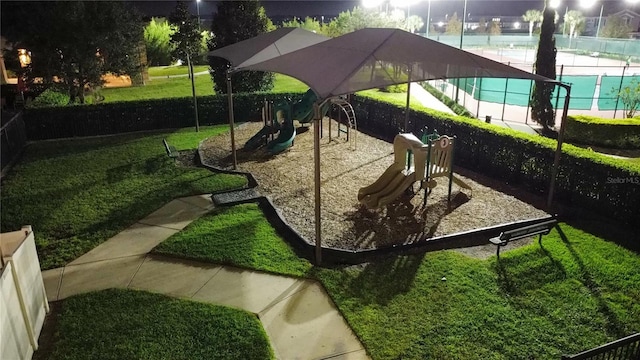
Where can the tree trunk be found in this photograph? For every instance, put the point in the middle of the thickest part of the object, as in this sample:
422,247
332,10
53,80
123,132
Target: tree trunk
530,28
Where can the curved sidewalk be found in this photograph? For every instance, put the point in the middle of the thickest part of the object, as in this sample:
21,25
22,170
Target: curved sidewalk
300,319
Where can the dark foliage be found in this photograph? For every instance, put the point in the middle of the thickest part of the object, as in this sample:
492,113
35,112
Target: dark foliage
236,21
76,42
541,107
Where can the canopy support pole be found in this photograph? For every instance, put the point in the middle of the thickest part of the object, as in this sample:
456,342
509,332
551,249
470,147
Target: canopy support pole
556,160
231,120
316,163
406,110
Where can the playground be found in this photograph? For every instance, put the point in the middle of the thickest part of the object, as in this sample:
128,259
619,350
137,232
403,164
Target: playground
287,178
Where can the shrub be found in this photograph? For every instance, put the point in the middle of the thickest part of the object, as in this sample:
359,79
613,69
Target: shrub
590,130
129,116
51,97
401,88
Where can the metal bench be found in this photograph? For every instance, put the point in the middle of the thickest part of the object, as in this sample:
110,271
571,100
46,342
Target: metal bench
172,152
539,229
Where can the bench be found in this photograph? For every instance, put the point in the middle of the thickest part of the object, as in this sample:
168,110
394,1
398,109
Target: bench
539,229
172,152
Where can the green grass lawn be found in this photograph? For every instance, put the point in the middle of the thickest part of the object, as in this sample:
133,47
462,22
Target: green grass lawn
175,70
77,193
181,87
576,292
239,236
128,324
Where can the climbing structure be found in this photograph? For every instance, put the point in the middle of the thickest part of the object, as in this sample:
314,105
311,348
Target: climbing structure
345,108
414,161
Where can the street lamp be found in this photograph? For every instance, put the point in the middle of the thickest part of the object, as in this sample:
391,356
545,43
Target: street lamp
428,18
589,3
198,11
464,16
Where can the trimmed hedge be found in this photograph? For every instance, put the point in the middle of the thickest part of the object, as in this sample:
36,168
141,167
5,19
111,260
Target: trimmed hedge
608,186
605,185
590,130
123,117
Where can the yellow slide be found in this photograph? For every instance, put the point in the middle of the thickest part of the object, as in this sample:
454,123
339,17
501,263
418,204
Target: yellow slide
395,180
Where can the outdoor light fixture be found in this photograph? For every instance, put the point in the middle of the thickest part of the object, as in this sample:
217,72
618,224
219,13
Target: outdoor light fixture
25,57
554,3
516,25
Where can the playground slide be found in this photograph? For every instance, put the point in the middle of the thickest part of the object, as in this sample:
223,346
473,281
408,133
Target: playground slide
258,139
388,187
285,114
285,138
301,111
382,182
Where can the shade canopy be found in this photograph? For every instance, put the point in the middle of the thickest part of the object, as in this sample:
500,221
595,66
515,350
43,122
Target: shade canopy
267,46
371,58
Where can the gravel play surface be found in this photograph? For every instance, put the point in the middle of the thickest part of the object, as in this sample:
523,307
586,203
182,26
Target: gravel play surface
287,178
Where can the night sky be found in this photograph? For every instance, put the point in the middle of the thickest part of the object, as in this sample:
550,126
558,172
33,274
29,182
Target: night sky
439,8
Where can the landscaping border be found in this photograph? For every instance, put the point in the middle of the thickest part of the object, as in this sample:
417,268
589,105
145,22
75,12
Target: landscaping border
332,255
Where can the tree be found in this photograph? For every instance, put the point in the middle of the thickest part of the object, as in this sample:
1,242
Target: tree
532,16
309,24
360,18
233,22
615,27
186,38
574,19
541,107
157,38
630,97
77,42
414,23
454,26
494,28
482,26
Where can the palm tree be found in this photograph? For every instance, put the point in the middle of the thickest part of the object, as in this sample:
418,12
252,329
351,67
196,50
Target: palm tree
414,22
532,16
574,18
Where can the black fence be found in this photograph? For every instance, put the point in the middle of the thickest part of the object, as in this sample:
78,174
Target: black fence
13,138
627,348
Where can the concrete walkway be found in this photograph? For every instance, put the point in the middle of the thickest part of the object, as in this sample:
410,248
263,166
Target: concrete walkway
178,75
428,100
301,320
432,102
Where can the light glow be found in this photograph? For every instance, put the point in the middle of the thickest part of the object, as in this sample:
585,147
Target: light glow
403,3
555,3
371,3
587,3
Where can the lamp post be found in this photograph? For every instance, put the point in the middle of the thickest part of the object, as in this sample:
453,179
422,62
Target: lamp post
599,20
428,18
198,12
464,16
